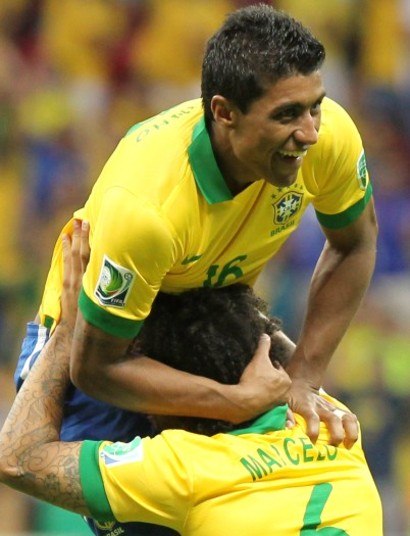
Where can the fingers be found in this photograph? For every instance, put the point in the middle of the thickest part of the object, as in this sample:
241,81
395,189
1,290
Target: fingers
85,244
260,363
351,427
261,386
262,351
66,244
334,425
312,425
290,419
278,375
76,239
264,344
80,248
76,251
343,426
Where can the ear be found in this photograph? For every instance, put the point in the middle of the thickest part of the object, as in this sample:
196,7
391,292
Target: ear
224,112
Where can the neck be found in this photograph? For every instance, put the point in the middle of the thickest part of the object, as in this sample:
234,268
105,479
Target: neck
232,170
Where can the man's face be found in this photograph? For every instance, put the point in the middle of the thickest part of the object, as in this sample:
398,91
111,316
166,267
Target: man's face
271,139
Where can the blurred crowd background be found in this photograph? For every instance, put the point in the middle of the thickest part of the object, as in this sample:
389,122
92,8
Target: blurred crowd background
76,74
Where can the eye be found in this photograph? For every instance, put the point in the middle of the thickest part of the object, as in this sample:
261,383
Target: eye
286,115
315,109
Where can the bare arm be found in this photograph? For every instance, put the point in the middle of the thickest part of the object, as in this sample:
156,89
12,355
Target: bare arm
32,459
341,277
139,383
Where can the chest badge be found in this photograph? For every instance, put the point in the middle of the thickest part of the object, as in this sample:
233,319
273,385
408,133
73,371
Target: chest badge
104,525
286,207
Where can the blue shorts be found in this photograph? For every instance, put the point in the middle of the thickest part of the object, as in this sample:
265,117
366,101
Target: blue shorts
87,418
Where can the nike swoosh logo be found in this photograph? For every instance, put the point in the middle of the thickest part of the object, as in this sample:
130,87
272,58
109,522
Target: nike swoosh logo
188,260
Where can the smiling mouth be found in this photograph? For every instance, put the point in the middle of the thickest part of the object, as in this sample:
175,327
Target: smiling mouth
292,154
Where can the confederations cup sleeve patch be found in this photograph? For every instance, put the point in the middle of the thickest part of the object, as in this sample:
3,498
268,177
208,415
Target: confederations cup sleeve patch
361,171
114,284
120,453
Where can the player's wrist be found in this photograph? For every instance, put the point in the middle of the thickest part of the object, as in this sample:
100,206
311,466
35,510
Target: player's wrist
65,328
240,404
303,370
62,338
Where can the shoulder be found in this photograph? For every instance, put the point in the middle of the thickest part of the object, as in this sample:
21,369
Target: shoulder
338,131
176,121
152,160
333,161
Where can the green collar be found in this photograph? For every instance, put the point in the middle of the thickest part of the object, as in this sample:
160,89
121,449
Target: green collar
205,169
271,421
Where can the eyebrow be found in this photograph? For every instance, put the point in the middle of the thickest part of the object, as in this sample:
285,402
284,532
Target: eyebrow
295,104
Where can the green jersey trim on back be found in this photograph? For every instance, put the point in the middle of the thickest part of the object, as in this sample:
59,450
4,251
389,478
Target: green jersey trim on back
348,216
204,167
92,482
272,420
114,325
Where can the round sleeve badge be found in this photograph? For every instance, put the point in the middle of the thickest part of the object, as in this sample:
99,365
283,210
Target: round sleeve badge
114,284
361,171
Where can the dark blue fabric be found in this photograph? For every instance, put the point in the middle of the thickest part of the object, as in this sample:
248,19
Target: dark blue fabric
129,529
28,351
85,417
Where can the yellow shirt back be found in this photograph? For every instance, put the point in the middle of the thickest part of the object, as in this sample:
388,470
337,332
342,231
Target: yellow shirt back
265,480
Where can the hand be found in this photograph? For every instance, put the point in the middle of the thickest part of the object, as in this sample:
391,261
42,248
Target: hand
306,401
76,253
262,385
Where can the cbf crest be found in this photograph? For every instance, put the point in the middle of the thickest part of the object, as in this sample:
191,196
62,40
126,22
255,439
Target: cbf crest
286,207
104,525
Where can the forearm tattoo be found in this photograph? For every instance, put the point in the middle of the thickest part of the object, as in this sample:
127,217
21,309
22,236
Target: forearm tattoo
39,464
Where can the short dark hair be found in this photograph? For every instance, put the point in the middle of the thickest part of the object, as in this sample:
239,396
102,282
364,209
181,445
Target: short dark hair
209,332
256,46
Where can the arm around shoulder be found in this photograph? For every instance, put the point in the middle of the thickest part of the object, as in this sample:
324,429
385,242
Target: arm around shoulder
94,352
104,367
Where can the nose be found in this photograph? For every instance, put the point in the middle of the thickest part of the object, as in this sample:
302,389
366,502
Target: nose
307,132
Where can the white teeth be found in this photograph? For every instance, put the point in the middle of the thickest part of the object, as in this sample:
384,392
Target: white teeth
293,153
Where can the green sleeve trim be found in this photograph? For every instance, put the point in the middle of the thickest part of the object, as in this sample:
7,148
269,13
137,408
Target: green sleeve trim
337,221
92,483
48,322
114,325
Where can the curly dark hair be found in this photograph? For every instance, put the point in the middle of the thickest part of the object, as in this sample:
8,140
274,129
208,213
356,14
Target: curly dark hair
255,47
212,333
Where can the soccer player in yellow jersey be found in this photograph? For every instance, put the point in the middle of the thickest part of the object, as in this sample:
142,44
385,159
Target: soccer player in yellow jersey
199,477
203,195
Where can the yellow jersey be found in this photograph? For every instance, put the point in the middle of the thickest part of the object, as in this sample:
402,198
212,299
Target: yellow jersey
263,480
162,217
